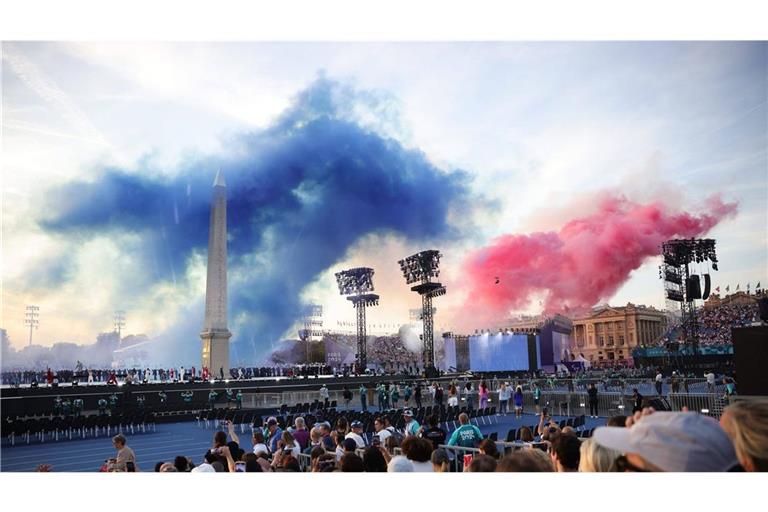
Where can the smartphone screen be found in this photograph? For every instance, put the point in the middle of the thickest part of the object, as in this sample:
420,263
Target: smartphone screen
240,467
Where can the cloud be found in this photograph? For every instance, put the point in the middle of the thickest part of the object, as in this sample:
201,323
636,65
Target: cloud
586,261
301,192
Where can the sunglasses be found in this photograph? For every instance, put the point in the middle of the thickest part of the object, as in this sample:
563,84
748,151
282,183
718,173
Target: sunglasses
623,465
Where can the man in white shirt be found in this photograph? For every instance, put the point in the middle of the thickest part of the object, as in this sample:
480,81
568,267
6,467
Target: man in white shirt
659,383
356,434
324,395
710,381
206,466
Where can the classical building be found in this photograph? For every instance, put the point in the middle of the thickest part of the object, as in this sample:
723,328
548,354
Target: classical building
610,333
734,299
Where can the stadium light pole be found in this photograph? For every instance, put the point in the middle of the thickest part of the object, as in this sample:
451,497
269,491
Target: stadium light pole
119,322
357,283
32,320
421,268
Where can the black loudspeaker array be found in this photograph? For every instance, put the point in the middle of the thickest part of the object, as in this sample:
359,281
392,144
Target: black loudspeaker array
707,286
693,288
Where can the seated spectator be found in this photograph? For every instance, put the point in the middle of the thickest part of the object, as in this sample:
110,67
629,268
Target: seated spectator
746,424
168,467
482,464
488,447
440,461
467,435
434,433
357,434
300,433
527,460
207,466
351,463
565,452
669,441
374,460
288,443
288,464
400,464
314,457
325,463
391,443
526,435
617,421
258,443
595,458
418,451
182,464
158,466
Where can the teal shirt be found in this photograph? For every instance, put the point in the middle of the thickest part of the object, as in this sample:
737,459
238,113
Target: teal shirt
412,428
467,436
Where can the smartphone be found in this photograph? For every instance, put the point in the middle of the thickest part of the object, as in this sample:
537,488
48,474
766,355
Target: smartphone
467,459
376,440
239,467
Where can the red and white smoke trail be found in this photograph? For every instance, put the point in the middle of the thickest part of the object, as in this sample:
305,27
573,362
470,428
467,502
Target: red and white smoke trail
586,261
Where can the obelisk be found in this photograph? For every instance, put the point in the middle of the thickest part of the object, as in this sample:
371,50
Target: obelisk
215,334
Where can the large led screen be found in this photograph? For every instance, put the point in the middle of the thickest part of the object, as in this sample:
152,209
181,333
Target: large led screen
498,352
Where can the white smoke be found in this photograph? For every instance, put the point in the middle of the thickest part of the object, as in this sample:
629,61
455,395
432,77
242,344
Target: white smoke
410,338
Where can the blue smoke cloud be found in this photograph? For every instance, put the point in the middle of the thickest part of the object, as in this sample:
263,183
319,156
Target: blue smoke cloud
300,193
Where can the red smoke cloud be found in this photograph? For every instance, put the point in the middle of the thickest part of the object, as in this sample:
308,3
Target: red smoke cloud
583,263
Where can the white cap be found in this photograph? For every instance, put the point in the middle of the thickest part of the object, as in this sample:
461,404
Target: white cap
673,441
400,464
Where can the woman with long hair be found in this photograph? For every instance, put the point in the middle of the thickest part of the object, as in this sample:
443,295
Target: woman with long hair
483,394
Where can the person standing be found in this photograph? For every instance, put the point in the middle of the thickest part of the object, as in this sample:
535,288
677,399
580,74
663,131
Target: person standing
363,398
592,394
503,399
395,395
637,401
659,382
90,376
126,458
453,398
470,394
347,395
483,391
417,395
380,392
536,396
407,392
212,399
710,381
325,396
518,398
412,426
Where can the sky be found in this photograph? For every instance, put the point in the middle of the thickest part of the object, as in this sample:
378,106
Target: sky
339,155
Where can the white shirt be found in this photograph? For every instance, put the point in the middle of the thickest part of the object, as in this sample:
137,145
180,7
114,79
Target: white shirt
423,467
658,377
324,392
710,378
260,448
383,435
203,468
358,439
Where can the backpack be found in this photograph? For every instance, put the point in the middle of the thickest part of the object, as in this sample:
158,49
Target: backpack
398,436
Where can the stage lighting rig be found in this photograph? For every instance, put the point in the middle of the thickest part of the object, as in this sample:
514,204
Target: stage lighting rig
680,286
357,283
421,268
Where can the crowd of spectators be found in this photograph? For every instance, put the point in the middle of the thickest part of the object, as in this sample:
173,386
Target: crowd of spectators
715,324
646,441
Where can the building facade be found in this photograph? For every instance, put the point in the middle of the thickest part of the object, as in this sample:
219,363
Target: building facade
610,333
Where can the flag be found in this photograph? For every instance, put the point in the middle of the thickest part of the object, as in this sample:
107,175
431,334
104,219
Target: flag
757,285
738,286
747,286
728,288
717,289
